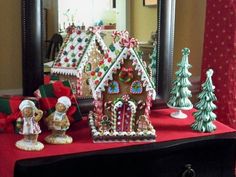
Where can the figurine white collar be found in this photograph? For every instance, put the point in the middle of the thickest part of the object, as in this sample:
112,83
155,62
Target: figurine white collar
58,115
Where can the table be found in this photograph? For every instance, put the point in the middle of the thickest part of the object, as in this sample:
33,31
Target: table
210,154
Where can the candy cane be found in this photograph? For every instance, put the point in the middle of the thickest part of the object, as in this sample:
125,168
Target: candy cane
126,97
129,42
108,105
116,33
148,105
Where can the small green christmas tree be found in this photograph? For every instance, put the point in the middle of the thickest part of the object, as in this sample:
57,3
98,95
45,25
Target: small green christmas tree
204,116
179,95
153,64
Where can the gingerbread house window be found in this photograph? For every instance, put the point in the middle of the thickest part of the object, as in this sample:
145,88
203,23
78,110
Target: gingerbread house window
113,87
136,87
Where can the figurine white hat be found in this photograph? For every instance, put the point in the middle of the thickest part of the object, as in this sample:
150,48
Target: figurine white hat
27,104
65,101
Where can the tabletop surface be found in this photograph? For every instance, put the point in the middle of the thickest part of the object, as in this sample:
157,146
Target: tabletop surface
167,129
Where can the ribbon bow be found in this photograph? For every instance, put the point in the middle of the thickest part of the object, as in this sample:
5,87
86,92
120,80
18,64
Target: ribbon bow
128,70
7,120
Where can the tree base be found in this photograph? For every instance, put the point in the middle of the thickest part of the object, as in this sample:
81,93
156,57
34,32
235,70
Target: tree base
178,115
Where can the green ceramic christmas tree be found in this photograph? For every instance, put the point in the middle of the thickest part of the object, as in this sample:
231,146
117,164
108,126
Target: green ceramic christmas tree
153,63
204,117
179,95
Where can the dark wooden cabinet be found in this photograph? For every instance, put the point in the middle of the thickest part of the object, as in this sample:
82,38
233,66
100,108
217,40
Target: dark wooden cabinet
211,156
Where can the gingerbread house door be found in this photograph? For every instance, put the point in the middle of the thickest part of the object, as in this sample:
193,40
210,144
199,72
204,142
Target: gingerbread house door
124,116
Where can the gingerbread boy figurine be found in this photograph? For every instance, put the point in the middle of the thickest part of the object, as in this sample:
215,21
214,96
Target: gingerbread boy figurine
59,123
30,129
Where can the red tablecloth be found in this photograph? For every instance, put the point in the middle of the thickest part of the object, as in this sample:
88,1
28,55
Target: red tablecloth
167,129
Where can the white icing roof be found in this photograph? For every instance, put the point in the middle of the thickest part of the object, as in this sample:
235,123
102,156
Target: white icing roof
75,51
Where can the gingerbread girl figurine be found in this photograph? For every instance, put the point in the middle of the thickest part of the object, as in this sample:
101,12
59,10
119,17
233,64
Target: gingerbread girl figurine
30,129
59,123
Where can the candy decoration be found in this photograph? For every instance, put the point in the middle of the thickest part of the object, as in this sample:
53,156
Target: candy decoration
112,48
65,53
73,55
105,124
79,40
72,47
66,59
80,47
108,105
129,42
141,104
78,85
148,105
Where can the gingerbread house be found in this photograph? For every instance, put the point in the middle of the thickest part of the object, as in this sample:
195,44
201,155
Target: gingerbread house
80,53
123,92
